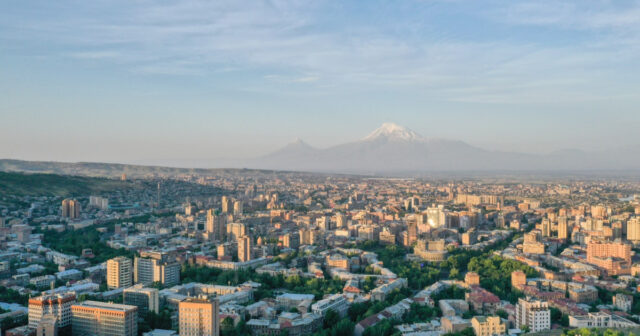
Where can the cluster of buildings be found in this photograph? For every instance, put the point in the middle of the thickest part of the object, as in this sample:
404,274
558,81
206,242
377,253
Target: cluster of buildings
577,237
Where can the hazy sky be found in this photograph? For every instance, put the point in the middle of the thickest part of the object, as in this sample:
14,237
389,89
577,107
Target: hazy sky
186,82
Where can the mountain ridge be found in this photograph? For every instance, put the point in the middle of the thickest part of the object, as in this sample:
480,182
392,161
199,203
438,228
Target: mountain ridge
390,150
393,148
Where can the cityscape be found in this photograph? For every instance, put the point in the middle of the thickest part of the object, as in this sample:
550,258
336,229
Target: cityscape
242,252
322,168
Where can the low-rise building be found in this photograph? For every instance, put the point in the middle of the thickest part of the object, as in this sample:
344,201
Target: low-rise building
600,320
623,302
335,302
380,293
488,326
453,324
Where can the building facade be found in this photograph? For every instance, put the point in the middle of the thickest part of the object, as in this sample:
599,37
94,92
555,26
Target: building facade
199,317
58,305
119,272
533,314
93,318
488,326
146,299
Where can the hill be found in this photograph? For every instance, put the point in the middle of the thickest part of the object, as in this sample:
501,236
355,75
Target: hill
21,184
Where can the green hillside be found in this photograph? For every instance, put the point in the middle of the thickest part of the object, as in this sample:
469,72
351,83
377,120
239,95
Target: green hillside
21,184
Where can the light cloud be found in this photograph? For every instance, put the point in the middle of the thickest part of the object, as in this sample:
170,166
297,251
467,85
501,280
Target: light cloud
298,42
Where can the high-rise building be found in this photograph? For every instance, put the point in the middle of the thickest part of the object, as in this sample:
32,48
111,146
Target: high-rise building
101,203
546,227
70,208
167,273
598,211
235,231
104,319
244,248
199,317
216,226
58,305
563,228
227,204
119,272
307,237
412,230
149,270
143,269
436,216
237,208
341,220
533,314
633,229
407,204
324,223
290,240
146,299
190,209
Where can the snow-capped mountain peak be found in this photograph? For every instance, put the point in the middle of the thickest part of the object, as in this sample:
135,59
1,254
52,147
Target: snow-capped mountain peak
391,131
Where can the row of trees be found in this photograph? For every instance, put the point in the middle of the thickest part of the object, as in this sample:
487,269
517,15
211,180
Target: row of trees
597,332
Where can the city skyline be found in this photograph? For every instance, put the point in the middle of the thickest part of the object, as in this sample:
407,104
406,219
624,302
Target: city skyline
190,83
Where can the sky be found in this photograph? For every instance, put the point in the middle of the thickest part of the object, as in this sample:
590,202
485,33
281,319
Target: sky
189,83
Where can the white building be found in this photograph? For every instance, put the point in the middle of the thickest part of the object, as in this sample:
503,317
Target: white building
101,203
335,302
599,320
58,305
623,302
534,314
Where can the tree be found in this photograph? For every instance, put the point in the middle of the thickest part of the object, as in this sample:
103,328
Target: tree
383,328
357,311
465,332
227,324
331,318
343,328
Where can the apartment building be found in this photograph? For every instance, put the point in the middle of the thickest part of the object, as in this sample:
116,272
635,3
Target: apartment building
104,319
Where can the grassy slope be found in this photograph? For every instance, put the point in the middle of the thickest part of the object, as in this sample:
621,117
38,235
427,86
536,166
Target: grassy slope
57,185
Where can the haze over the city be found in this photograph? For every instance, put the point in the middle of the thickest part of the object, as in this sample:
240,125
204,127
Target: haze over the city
194,84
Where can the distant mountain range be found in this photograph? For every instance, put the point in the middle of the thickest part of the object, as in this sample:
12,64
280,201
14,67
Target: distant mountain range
393,148
389,150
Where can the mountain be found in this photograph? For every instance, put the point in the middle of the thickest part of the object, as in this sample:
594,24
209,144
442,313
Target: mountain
392,132
297,150
389,150
394,148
